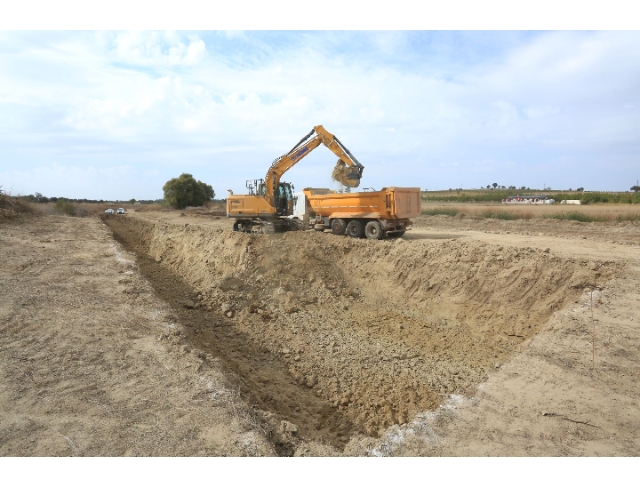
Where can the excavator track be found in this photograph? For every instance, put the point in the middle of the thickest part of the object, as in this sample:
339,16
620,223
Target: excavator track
257,227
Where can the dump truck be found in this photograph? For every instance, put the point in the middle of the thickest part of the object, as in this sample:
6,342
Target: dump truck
370,214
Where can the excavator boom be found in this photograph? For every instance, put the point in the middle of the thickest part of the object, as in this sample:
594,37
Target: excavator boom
351,176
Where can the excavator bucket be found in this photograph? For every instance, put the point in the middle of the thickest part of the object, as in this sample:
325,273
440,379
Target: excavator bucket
346,175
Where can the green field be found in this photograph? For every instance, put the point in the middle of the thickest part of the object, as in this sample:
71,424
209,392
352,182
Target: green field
496,196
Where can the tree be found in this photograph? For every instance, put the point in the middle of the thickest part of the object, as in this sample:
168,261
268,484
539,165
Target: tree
186,191
635,188
579,190
495,185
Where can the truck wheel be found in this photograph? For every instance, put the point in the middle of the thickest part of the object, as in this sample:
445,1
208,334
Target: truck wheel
355,229
338,226
373,230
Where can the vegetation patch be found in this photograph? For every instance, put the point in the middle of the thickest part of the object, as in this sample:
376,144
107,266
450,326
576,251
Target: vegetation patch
577,216
628,198
501,215
66,207
440,211
602,217
468,196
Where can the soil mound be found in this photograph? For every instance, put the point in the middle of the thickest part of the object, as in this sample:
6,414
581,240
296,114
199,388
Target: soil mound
378,330
12,208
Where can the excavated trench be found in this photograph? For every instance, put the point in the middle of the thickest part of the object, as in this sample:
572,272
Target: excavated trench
341,336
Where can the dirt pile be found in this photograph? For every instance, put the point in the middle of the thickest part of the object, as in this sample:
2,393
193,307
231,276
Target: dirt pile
12,208
376,331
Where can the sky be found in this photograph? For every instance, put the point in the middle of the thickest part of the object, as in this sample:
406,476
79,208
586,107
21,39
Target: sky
115,114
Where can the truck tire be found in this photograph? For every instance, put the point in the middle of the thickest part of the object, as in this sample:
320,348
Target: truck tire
355,229
319,227
373,230
338,226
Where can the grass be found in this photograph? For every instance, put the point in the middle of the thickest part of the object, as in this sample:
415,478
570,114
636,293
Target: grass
577,216
496,195
504,215
602,217
469,196
441,211
628,217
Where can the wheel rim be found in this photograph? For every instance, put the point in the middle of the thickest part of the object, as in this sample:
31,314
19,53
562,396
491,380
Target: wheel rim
355,230
338,226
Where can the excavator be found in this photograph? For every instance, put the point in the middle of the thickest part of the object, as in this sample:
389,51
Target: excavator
270,201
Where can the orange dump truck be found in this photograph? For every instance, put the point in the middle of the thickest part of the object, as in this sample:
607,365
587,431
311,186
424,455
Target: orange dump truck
371,214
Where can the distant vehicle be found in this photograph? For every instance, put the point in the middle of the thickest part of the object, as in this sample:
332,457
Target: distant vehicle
120,211
109,211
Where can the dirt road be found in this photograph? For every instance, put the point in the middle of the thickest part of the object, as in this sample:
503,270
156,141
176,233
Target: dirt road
180,337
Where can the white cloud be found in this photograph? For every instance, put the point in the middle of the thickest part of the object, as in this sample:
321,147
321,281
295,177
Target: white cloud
185,100
158,49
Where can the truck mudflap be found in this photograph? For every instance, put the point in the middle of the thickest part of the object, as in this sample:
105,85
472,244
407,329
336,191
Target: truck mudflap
395,225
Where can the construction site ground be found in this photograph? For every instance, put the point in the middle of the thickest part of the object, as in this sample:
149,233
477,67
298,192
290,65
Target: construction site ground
166,334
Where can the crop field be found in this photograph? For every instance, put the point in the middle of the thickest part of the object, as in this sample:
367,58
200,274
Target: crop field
485,330
583,213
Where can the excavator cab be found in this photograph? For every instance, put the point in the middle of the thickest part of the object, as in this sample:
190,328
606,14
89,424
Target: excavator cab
284,199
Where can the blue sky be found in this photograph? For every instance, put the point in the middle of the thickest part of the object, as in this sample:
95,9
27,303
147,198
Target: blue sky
114,115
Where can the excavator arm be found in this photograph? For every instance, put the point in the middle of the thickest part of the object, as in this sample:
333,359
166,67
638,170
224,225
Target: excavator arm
351,175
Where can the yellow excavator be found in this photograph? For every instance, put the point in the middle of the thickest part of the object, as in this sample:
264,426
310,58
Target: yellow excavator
270,201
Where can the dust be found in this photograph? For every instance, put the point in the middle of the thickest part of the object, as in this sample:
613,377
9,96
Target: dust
344,174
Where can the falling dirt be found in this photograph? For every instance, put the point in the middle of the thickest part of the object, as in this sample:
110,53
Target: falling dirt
343,336
342,172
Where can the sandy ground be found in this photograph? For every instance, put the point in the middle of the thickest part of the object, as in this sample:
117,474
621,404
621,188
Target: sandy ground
466,337
83,370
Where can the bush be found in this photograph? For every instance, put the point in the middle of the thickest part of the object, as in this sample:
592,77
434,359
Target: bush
65,206
186,191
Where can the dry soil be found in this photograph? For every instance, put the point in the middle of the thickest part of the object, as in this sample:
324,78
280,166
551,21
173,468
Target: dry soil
164,333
